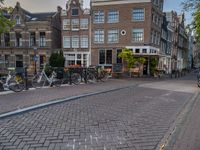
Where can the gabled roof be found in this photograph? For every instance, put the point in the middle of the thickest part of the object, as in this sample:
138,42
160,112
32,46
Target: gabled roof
39,16
43,16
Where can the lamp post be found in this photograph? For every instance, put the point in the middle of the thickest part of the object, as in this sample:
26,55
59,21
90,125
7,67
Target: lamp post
35,60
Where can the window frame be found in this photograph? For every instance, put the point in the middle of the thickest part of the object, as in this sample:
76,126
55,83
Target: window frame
105,52
83,23
112,34
140,15
66,24
99,36
83,40
73,10
75,27
139,38
75,41
66,42
113,18
98,16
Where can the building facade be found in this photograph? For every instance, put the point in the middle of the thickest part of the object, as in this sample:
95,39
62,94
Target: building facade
165,46
179,40
75,32
122,24
32,40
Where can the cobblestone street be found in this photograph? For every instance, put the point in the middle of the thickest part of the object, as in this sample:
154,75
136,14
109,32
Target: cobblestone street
123,119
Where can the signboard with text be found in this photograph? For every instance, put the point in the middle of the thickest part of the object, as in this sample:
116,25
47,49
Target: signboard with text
117,68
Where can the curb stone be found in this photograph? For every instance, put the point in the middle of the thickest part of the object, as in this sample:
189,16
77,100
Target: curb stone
169,138
58,101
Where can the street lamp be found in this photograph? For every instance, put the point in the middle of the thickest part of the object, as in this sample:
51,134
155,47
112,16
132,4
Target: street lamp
35,59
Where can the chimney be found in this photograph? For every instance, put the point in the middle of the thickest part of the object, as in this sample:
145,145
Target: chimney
59,9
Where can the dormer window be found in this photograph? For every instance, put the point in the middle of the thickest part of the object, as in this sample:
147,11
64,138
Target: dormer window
18,20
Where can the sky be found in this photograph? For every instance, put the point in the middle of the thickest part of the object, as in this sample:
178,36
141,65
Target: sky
51,5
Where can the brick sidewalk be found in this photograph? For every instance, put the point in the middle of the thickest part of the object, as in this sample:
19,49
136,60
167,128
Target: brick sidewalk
14,101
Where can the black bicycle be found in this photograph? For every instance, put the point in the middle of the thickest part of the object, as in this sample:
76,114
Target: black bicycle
96,73
68,77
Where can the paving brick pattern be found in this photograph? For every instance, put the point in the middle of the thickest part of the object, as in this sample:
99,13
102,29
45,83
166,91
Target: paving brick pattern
14,101
135,118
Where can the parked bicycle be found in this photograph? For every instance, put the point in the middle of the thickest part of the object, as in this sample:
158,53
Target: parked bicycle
41,79
69,76
96,73
12,82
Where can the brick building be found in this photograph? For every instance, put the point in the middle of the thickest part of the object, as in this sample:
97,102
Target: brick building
132,24
32,40
179,40
76,33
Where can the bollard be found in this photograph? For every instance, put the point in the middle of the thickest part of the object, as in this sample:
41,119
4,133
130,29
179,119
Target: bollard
26,78
85,74
70,76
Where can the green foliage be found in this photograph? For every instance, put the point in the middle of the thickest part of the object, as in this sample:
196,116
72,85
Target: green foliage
57,59
141,60
5,23
190,5
153,65
196,24
193,6
127,56
48,70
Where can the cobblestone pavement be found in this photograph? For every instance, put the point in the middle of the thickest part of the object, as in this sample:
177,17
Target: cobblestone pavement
135,118
15,101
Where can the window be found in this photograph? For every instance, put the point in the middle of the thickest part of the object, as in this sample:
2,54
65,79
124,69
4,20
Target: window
99,36
76,59
75,42
42,39
70,59
18,40
66,24
113,16
7,39
98,17
113,36
18,20
105,56
119,60
66,42
138,14
137,50
32,39
84,41
84,23
144,50
74,11
7,61
19,60
43,61
75,24
138,35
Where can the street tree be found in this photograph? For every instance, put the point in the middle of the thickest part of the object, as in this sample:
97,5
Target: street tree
5,23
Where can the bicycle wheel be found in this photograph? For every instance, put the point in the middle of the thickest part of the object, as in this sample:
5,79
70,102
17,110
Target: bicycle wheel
16,84
103,76
91,78
76,78
57,82
38,81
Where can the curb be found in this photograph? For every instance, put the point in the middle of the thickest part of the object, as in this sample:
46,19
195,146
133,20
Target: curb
58,101
169,138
